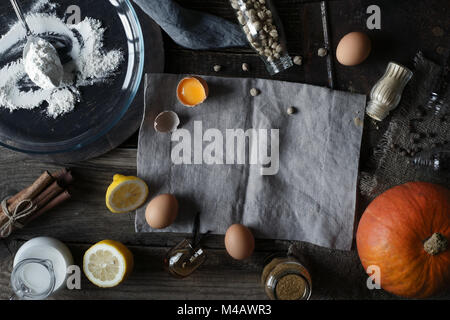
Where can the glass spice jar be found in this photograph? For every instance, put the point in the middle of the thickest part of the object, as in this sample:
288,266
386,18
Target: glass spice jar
264,32
182,260
285,278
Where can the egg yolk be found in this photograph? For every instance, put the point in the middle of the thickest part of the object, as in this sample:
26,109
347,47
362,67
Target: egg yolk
191,92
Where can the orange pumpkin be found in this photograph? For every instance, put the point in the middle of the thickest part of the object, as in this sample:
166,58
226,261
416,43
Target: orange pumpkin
406,233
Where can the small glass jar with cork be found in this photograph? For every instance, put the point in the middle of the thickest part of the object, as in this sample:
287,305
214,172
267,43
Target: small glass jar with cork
285,278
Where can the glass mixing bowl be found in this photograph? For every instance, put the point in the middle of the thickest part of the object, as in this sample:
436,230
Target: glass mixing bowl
102,105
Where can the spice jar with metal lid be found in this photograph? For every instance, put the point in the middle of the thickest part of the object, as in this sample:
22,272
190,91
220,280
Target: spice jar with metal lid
264,32
285,278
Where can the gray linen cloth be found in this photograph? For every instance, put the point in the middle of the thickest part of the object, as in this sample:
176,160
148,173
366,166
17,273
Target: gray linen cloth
193,29
312,197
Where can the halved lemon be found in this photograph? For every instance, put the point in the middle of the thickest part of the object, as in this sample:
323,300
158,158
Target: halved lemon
126,194
107,263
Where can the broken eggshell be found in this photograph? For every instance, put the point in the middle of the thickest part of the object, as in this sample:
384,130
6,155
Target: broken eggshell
166,122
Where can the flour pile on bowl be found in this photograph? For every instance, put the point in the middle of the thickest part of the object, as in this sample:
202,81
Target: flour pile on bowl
42,64
87,62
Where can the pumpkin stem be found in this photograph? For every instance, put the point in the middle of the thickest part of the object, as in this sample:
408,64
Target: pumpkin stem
435,244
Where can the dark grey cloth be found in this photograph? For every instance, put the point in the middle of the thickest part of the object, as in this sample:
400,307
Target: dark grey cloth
193,29
312,197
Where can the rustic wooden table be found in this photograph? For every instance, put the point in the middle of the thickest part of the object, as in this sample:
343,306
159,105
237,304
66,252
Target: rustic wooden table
407,26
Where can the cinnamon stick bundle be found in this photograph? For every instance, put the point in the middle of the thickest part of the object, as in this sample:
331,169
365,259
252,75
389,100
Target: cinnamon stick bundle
47,192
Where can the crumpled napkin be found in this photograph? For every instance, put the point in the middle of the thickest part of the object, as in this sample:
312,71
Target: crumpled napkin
311,197
193,29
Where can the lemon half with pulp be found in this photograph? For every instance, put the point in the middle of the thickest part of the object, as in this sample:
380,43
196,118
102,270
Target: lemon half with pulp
107,263
126,194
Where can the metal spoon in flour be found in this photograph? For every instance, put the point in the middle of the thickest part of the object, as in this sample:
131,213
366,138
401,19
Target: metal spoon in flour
40,58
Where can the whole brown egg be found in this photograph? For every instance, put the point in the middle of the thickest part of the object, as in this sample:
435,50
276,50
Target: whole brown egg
162,211
353,49
239,242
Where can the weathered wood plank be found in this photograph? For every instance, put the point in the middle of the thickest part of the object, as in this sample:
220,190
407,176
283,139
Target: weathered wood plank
401,22
223,9
304,34
6,258
219,278
85,217
335,275
85,220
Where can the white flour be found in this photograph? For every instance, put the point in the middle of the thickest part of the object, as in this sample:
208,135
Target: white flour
43,65
41,4
89,65
61,102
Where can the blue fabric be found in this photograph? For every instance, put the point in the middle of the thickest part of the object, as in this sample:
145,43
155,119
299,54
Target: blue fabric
193,29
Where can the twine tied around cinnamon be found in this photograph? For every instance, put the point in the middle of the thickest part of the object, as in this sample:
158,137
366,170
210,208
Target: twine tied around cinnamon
16,215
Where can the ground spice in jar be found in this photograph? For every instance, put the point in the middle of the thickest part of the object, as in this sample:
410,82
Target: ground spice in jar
290,287
269,267
285,278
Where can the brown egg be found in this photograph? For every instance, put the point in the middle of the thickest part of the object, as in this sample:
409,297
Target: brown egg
239,242
162,211
353,49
